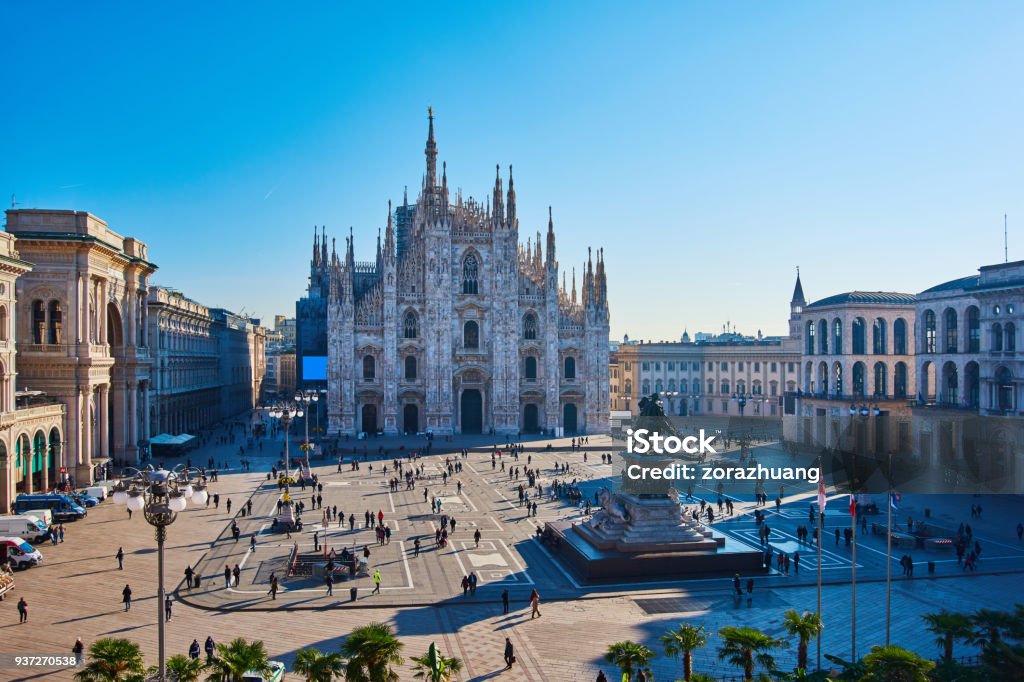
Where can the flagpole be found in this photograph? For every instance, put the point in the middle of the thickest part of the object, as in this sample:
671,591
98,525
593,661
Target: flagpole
821,518
888,554
853,605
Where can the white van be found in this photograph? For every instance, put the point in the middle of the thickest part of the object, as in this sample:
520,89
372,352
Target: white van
97,491
44,515
25,526
18,553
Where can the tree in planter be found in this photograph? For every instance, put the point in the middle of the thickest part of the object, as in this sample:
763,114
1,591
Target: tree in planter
181,668
113,659
896,664
436,667
682,642
628,657
316,666
804,627
236,658
370,651
948,628
745,646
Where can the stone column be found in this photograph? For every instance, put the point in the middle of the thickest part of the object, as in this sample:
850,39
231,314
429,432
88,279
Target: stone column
29,483
132,446
6,482
103,410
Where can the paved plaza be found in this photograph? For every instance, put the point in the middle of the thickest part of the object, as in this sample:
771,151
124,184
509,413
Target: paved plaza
77,591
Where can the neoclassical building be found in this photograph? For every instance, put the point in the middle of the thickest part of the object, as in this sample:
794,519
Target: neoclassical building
857,355
31,424
81,333
457,328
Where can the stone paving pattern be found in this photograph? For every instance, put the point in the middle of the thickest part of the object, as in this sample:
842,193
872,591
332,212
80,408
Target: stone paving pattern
77,591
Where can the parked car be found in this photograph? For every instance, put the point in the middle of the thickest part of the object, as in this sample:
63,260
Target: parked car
84,500
277,672
18,554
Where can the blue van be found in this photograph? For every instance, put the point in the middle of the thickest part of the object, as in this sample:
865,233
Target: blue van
62,506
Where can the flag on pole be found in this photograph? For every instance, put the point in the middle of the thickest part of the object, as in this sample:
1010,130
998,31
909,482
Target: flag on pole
853,505
821,496
894,501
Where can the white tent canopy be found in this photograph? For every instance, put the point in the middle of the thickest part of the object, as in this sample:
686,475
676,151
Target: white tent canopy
168,439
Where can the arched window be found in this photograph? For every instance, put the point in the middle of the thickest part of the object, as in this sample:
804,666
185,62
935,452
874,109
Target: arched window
997,337
410,367
470,275
878,340
369,367
837,378
823,379
973,330
647,387
696,387
3,323
629,387
1010,330
859,331
899,380
1004,389
837,337
858,379
823,333
929,331
658,386
530,370
951,330
53,328
711,387
810,337
409,328
530,326
38,322
471,335
725,387
899,336
672,385
881,380
570,367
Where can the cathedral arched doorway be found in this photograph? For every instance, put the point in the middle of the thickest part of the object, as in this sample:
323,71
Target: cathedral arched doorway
531,419
472,411
411,418
569,418
370,419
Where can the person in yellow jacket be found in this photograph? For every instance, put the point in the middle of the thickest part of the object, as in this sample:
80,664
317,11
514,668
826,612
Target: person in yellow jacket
376,582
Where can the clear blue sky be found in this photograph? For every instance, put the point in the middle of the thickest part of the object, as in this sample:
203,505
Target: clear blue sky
709,147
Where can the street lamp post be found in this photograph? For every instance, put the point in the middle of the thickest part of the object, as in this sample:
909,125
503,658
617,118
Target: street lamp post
285,413
308,398
160,494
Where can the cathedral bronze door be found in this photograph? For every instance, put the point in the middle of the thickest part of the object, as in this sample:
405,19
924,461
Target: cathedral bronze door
472,411
569,418
411,419
370,419
531,421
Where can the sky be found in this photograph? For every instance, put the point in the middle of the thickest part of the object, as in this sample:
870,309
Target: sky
710,148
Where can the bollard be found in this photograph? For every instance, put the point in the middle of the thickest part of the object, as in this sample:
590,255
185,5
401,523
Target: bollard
352,592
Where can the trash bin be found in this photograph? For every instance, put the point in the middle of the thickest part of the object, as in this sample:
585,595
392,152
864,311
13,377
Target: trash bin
198,580
352,592
931,568
268,476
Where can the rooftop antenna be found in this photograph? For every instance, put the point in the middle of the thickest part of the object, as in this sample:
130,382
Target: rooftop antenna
1006,248
14,204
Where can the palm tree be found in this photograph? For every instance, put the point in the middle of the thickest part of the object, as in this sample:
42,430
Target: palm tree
804,627
949,627
236,658
896,664
436,667
628,656
745,646
371,650
112,659
685,640
317,666
181,668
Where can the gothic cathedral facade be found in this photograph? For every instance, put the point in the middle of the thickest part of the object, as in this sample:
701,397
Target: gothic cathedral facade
457,328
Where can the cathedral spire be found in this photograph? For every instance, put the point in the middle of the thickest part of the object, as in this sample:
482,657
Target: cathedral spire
511,201
431,152
323,246
316,247
499,201
572,294
389,237
551,240
798,293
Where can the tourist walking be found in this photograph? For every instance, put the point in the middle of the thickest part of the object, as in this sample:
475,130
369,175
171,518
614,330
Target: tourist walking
376,582
329,581
534,604
510,654
126,597
227,576
167,608
22,610
77,650
211,648
236,573
273,587
188,576
120,558
193,649
504,601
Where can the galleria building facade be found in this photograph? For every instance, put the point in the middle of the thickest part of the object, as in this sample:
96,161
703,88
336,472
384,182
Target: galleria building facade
457,328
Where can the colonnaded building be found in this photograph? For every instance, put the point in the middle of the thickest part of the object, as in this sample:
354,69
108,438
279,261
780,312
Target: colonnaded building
457,328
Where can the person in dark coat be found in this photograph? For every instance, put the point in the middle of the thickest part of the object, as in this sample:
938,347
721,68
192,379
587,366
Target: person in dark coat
510,654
